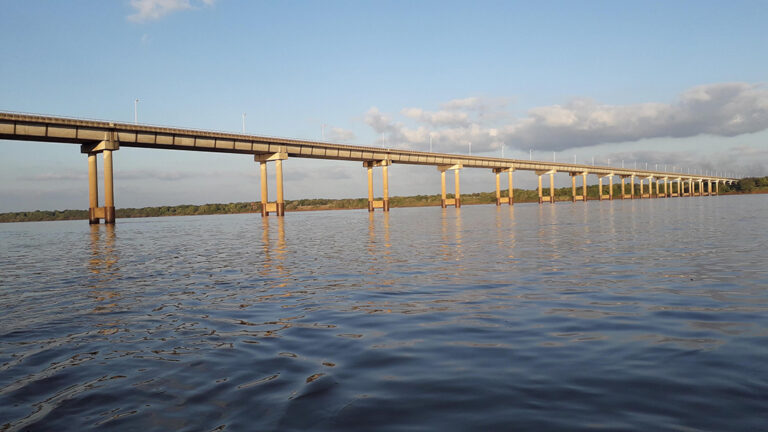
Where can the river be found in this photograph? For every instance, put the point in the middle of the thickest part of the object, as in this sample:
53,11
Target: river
624,315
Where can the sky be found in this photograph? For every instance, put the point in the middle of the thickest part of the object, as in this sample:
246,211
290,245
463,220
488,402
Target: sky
669,84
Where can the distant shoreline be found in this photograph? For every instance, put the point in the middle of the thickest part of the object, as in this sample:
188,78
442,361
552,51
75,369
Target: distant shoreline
750,186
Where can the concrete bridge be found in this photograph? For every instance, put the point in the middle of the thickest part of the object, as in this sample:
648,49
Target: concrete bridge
105,137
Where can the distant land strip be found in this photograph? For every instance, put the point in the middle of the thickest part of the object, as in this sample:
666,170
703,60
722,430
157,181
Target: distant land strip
749,185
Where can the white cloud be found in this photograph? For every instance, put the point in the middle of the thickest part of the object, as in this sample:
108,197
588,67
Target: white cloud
721,109
341,135
147,10
438,118
724,109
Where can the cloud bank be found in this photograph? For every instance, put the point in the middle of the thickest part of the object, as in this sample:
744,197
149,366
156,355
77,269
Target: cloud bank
721,109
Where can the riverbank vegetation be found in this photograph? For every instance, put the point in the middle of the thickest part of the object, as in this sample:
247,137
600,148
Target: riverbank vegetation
749,185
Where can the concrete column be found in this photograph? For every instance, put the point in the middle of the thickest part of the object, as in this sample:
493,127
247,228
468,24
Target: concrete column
717,187
573,187
666,180
385,185
610,187
657,188
641,187
511,188
632,187
584,185
279,180
109,191
541,196
458,191
93,189
442,189
264,190
552,188
600,188
622,188
370,188
498,190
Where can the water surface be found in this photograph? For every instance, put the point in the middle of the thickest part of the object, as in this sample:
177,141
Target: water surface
623,315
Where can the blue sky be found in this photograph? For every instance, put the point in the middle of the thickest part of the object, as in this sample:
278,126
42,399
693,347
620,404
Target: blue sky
677,83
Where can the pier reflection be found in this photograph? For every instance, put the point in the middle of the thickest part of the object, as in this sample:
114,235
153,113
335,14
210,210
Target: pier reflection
505,229
274,255
104,269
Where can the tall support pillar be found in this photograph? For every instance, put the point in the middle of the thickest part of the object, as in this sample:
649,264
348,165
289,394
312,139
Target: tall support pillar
498,189
442,184
610,187
623,193
551,197
264,189
509,199
600,188
458,189
279,186
541,197
657,188
96,213
93,189
641,187
632,187
584,185
666,180
109,190
552,187
278,207
385,186
383,204
717,187
370,188
456,200
573,187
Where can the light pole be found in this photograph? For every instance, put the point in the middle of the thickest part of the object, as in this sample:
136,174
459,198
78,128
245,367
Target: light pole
136,111
553,156
430,142
243,122
470,148
530,154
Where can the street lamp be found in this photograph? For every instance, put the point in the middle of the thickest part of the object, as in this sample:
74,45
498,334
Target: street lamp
136,111
530,154
470,148
430,141
243,122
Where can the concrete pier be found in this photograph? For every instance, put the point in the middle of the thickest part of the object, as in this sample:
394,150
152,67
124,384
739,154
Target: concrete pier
509,199
383,204
551,197
277,207
445,201
96,213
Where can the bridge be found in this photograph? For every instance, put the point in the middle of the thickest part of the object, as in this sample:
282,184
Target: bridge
106,137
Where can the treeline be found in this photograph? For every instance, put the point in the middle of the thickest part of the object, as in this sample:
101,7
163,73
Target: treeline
745,185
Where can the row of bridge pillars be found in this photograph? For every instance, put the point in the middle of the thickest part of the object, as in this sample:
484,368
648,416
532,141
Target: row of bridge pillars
668,187
107,212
